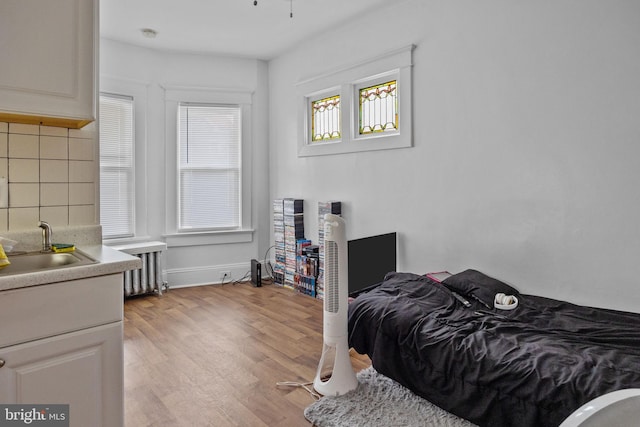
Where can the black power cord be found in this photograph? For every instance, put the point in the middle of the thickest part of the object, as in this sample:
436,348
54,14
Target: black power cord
268,267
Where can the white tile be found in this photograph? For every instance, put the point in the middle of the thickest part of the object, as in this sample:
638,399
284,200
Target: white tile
4,167
24,195
81,171
54,147
4,127
24,129
24,170
23,218
54,171
56,216
4,219
81,149
4,144
82,215
82,194
54,131
24,146
54,194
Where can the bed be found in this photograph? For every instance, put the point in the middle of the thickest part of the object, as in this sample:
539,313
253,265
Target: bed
530,366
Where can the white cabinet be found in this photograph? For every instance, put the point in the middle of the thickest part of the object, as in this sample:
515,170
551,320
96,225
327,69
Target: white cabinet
62,344
48,66
82,369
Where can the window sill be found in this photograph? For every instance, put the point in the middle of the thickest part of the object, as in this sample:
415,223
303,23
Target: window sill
209,238
367,143
124,240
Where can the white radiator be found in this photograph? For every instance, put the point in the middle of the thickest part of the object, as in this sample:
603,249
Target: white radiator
148,278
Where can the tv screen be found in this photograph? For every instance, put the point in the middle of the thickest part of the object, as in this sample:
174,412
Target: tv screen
370,259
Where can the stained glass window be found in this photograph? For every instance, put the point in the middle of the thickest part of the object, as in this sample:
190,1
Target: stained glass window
325,119
379,108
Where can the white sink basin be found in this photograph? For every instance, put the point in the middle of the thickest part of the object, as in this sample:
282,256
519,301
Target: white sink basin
39,261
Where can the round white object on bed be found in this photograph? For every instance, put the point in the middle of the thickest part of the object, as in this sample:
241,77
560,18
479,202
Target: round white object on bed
505,302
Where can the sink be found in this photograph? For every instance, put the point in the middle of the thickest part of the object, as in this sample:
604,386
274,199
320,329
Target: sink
42,261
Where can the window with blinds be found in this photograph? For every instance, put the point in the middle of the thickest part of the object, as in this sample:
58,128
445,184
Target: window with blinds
116,166
209,142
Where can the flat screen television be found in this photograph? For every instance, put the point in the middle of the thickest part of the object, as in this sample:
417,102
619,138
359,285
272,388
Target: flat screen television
370,259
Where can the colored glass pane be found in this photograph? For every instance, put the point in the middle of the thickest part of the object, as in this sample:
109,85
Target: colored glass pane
379,108
325,119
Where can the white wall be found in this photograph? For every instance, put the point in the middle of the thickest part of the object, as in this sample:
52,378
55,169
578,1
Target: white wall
526,143
201,264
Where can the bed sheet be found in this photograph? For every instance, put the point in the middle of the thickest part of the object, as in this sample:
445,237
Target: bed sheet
532,366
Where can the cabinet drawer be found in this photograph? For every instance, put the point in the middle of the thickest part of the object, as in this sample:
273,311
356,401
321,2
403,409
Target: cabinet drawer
42,311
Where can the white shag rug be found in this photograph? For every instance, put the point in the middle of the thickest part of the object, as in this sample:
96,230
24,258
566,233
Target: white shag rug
379,401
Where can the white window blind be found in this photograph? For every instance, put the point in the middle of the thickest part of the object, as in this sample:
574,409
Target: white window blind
209,141
116,166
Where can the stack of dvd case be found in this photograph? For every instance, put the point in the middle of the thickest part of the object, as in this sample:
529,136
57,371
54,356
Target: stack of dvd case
293,231
332,207
278,233
305,279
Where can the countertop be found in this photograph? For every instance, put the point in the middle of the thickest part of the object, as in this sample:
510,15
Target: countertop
109,261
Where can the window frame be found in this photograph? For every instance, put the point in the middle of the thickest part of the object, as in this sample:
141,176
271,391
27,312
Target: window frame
174,95
394,65
374,81
129,170
325,94
180,227
137,90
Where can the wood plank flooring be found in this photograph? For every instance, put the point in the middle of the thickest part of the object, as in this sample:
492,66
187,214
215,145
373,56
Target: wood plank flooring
212,355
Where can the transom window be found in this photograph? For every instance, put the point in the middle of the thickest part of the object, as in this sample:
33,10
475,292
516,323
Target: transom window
378,108
325,119
363,107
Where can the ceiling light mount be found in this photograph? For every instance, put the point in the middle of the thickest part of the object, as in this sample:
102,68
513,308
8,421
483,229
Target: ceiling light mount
149,33
255,3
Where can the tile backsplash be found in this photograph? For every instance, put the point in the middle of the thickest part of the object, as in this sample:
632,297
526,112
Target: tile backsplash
51,175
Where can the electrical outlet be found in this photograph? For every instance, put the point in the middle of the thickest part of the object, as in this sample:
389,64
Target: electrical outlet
225,276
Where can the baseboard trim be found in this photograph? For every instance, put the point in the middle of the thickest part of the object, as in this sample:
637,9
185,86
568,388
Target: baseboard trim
207,275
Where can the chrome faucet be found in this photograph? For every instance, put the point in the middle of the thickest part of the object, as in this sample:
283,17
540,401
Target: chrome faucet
46,236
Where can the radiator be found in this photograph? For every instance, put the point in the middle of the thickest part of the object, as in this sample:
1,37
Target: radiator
148,278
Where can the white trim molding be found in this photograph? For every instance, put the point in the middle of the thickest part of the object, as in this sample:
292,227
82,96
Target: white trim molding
396,64
139,91
221,237
207,275
173,96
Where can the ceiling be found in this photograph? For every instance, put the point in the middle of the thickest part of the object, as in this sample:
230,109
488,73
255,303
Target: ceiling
227,27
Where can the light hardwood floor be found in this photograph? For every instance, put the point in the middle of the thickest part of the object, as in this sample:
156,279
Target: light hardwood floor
212,355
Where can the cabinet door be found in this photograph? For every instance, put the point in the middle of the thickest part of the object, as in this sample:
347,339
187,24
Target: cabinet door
83,369
48,58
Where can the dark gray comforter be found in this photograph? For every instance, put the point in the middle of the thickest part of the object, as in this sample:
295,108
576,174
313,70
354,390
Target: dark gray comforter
532,366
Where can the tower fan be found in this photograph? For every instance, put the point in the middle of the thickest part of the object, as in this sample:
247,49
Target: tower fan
336,300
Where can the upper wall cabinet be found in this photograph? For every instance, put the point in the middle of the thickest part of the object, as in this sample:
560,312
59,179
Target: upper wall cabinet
48,61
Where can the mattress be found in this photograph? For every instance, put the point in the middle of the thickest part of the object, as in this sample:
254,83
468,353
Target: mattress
531,366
